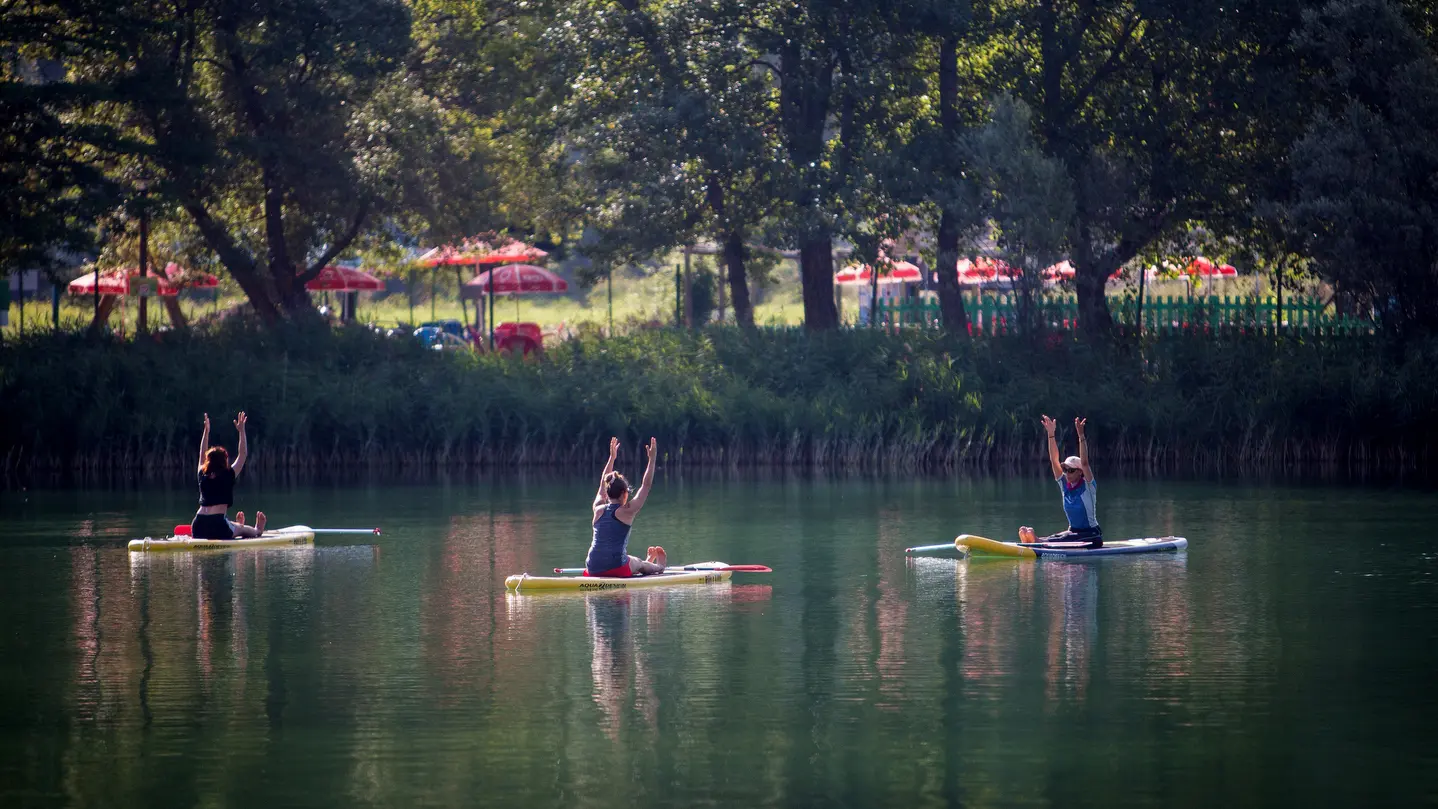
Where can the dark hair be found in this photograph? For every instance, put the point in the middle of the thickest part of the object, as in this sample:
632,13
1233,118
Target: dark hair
615,485
215,457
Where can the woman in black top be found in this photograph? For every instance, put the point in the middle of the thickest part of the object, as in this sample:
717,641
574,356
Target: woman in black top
217,490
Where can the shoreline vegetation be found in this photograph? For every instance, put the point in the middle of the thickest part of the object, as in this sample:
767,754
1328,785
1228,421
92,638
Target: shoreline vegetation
858,399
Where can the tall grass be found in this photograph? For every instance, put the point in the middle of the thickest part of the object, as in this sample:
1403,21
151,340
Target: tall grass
323,399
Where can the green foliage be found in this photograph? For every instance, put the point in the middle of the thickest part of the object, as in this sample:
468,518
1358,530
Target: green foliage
705,290
272,134
719,395
1365,173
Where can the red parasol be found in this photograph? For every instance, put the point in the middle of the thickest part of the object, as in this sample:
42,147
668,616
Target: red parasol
1203,266
982,270
1058,272
344,279
898,272
482,254
124,281
514,279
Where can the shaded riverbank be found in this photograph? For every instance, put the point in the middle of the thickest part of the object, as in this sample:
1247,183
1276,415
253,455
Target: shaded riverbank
853,399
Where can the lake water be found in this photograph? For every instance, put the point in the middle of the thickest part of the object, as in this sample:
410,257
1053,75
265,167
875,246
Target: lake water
1286,659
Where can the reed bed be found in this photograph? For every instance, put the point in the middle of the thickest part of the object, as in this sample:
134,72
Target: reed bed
322,400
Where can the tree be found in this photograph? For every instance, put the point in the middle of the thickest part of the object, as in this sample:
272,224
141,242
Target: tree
56,189
1148,108
282,131
1365,173
663,124
1027,197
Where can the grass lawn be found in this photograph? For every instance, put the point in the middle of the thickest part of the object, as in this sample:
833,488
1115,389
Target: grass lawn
640,295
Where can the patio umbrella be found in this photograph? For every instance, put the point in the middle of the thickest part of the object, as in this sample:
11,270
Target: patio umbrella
890,272
512,279
982,270
481,254
475,253
1201,266
344,279
1060,271
899,272
124,281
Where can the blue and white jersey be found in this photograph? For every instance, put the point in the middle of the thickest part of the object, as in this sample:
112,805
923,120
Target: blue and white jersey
1080,505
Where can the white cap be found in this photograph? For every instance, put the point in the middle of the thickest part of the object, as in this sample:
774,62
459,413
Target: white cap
1073,462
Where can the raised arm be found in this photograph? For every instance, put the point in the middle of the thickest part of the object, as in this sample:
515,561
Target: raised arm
1083,449
1049,427
637,501
204,443
244,449
602,496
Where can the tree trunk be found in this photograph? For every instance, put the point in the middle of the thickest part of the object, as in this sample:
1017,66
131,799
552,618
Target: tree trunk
1090,279
236,259
103,312
806,82
177,317
816,271
951,298
738,279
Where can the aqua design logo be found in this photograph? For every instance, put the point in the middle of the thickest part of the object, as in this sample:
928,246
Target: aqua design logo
602,586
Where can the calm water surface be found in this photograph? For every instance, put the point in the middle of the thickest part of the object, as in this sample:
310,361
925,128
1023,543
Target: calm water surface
1287,659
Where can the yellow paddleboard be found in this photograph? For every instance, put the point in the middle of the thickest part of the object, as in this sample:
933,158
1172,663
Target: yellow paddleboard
526,583
280,537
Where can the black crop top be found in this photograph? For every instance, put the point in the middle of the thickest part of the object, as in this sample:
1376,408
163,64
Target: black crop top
219,489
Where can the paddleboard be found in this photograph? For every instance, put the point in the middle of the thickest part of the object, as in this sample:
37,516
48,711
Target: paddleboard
525,583
968,544
279,537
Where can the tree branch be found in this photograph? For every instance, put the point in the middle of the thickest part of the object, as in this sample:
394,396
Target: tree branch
339,246
1108,68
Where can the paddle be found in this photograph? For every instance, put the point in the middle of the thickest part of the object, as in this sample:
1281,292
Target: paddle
947,546
184,530
736,568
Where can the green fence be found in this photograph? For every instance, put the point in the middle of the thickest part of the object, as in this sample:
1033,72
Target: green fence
991,313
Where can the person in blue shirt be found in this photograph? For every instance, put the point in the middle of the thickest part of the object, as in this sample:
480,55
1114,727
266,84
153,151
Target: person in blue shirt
1074,476
614,514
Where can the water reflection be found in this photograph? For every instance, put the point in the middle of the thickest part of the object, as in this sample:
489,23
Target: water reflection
849,676
1005,606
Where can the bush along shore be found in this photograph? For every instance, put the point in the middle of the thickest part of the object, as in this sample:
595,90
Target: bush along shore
851,399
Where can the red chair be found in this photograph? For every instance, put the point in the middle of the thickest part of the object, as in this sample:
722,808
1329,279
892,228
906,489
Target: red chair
521,338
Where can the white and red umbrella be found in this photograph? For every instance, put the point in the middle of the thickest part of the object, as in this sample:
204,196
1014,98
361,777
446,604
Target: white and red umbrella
344,279
982,270
1203,266
123,281
897,272
1061,271
481,254
515,279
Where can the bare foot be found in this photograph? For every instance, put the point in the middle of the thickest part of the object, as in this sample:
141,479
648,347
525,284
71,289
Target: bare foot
1026,534
260,521
239,518
659,557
